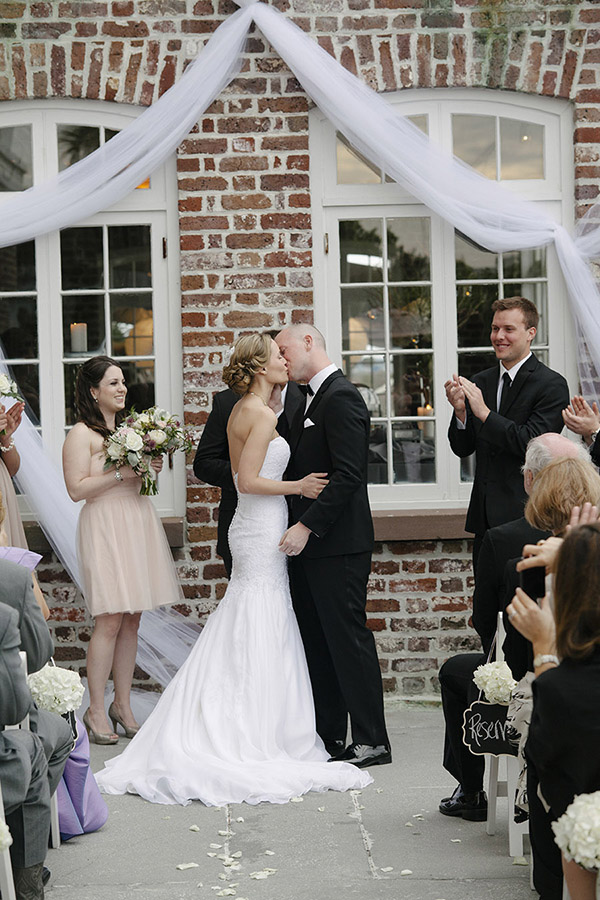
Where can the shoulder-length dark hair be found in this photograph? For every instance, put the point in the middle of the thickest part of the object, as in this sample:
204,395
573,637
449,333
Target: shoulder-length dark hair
577,593
89,376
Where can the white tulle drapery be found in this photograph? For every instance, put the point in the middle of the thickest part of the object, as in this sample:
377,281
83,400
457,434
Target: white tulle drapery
481,209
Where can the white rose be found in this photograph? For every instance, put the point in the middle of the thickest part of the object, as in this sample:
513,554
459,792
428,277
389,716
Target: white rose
5,384
113,451
144,419
159,437
133,441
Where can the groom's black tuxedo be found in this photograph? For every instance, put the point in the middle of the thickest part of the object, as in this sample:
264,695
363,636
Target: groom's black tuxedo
329,578
212,464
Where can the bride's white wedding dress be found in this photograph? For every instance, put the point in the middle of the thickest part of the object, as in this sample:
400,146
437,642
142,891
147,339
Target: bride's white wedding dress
237,722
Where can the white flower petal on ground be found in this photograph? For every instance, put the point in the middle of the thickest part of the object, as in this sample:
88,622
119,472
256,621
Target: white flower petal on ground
388,869
194,828
409,825
520,861
187,866
239,819
320,809
297,800
237,854
406,872
211,853
379,790
215,846
455,841
269,853
226,833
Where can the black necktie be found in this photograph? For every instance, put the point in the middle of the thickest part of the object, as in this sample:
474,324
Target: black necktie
309,391
505,393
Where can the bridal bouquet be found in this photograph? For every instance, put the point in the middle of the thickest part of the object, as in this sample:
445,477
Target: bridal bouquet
143,436
577,832
496,681
56,689
9,388
5,837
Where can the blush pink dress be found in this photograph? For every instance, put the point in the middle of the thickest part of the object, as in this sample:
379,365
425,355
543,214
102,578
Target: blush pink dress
124,558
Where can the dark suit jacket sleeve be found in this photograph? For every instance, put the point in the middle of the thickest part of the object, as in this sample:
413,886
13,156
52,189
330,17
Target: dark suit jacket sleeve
549,744
211,463
35,635
486,596
595,451
546,415
462,440
15,698
346,432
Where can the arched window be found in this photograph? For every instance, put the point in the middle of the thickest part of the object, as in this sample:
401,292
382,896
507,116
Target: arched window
404,301
106,285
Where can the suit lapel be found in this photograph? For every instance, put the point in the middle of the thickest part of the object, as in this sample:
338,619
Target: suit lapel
321,392
520,379
489,388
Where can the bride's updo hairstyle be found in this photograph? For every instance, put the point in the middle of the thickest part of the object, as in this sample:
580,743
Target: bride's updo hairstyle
250,354
89,376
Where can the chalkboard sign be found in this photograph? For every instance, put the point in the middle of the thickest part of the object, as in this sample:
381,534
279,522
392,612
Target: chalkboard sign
485,729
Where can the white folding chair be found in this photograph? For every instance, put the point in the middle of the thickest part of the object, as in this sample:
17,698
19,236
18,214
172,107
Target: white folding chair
54,826
7,884
507,785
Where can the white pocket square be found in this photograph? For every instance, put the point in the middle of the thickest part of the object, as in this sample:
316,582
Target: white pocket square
308,423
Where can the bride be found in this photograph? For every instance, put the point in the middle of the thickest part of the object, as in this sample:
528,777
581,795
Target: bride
237,722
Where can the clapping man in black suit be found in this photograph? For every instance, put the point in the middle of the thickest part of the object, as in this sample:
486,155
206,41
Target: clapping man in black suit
499,412
212,464
329,543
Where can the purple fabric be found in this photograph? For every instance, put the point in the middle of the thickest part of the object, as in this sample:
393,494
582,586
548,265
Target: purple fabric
22,557
81,807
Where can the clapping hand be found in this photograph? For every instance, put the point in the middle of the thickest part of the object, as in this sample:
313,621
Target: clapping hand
456,397
10,421
581,418
479,408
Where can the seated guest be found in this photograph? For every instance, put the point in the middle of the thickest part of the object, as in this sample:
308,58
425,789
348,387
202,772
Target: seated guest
500,544
23,769
563,747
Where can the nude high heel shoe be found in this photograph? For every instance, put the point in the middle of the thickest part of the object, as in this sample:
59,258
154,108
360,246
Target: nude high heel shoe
97,737
115,718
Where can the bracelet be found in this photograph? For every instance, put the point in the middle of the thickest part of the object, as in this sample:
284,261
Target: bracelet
542,658
593,436
118,475
8,447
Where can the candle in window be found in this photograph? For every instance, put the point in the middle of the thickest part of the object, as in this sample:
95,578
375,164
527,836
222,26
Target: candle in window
428,428
79,337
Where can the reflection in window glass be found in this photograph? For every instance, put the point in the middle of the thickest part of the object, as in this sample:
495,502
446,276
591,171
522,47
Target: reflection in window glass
410,317
408,249
377,467
28,380
367,373
525,263
474,141
363,326
129,256
132,324
75,142
411,383
81,259
361,253
139,377
16,158
422,122
84,330
473,261
352,166
414,452
537,292
17,267
474,313
521,149
18,327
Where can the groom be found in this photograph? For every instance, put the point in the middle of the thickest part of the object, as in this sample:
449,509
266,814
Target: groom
329,545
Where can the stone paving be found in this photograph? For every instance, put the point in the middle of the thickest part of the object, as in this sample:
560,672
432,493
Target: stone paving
325,847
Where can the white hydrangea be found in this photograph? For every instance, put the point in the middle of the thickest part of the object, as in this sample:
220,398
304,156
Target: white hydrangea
577,832
496,681
5,837
56,689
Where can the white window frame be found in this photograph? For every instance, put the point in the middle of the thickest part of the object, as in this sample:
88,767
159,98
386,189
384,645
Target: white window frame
332,202
156,207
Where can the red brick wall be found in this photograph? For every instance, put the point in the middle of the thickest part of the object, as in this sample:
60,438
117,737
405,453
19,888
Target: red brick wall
244,201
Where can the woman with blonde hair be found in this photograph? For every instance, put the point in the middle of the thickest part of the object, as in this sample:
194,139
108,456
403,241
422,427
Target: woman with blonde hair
561,485
237,722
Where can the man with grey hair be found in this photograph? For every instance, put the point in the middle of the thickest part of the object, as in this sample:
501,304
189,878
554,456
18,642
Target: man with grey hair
500,544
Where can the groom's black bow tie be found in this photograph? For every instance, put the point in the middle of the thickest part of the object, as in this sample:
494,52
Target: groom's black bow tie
306,389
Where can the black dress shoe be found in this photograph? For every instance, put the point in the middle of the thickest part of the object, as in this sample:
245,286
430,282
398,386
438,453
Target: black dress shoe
334,748
363,755
46,873
472,807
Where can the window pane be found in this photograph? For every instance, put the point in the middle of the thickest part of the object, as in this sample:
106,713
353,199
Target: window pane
537,293
17,267
377,465
411,382
361,256
474,313
474,141
16,158
81,258
28,381
473,261
18,327
352,166
414,452
408,249
525,263
363,327
521,149
421,122
83,325
410,317
139,377
129,256
471,363
131,324
367,373
75,142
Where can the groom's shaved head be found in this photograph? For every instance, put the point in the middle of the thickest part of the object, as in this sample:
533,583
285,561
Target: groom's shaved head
303,347
298,332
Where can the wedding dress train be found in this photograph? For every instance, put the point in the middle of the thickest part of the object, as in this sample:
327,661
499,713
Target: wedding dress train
237,722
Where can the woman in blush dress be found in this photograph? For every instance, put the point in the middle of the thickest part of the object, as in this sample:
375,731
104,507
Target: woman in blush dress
237,722
125,561
9,466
